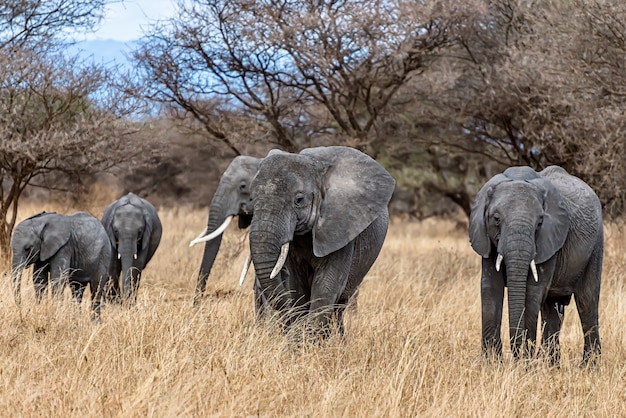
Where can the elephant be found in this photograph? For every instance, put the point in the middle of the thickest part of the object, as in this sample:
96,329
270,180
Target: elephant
320,220
232,198
62,248
134,230
541,236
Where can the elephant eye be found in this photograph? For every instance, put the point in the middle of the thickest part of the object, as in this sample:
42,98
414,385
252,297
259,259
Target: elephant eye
496,218
299,199
243,186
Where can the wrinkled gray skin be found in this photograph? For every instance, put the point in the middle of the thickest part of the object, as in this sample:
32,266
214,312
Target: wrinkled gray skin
232,198
554,219
62,249
330,205
134,230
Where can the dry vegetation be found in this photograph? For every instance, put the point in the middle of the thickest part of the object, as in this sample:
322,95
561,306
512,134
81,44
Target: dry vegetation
412,349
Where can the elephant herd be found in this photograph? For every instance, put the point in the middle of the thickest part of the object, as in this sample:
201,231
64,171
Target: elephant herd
81,250
318,220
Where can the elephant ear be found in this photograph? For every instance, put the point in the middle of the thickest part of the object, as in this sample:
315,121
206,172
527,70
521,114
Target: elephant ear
356,191
107,222
479,240
553,231
54,235
149,217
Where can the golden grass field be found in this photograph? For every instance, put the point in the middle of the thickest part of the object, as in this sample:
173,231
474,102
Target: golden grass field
411,349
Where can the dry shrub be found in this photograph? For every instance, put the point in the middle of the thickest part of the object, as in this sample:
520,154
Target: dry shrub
412,346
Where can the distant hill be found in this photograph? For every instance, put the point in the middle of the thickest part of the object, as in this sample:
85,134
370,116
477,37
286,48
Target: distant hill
105,51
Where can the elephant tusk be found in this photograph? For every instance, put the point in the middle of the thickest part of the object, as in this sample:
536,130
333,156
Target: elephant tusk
246,266
203,233
119,256
203,237
499,262
135,256
284,250
533,268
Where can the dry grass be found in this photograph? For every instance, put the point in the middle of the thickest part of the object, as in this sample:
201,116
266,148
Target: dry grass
412,349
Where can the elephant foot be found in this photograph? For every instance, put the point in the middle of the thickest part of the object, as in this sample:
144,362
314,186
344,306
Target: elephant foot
590,361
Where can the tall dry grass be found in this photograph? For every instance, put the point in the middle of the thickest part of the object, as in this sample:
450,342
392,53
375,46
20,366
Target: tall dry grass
411,349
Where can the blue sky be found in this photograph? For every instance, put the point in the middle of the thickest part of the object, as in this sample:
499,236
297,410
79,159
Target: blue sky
113,39
124,19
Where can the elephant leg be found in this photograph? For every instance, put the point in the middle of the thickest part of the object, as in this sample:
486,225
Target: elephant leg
78,289
338,314
59,275
492,297
329,282
587,296
97,287
552,313
41,272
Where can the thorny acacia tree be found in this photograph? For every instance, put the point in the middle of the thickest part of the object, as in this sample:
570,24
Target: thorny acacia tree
513,81
301,70
57,114
540,83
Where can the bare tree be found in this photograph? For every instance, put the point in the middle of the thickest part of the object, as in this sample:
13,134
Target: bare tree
58,114
540,83
302,70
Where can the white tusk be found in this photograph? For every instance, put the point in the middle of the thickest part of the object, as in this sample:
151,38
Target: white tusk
499,262
533,268
281,260
203,233
246,266
135,256
203,237
119,256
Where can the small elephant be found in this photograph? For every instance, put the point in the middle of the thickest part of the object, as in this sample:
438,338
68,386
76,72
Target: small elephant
134,230
540,235
232,198
63,249
320,219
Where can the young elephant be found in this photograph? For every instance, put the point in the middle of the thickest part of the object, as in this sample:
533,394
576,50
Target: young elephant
134,230
540,235
62,248
232,198
320,219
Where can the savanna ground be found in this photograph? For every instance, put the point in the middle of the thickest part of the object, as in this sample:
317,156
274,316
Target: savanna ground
411,349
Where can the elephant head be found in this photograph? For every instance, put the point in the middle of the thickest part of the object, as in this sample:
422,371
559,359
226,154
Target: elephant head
518,220
232,198
37,238
134,230
331,193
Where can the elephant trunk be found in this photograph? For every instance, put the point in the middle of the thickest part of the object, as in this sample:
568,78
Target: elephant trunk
127,253
217,217
518,254
266,241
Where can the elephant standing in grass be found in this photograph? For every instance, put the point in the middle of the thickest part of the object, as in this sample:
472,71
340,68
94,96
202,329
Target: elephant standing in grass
62,249
232,198
541,236
134,230
320,220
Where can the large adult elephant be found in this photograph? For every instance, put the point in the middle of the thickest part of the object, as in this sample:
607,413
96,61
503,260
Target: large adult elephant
134,230
320,219
62,249
232,198
540,235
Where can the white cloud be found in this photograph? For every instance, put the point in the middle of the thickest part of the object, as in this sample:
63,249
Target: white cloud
124,20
